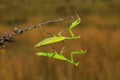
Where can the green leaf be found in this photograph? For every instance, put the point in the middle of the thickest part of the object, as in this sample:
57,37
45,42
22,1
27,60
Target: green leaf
52,55
50,40
75,23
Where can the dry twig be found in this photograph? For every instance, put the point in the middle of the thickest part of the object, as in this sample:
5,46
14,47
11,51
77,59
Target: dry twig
10,38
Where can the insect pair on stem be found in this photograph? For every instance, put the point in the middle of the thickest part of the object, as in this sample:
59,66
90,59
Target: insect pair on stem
59,38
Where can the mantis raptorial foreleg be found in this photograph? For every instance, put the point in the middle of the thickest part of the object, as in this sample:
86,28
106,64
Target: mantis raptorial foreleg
74,24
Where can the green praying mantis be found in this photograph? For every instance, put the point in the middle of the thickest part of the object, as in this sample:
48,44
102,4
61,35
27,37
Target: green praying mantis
59,56
55,39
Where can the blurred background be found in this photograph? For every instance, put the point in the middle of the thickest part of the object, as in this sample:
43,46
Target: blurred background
99,30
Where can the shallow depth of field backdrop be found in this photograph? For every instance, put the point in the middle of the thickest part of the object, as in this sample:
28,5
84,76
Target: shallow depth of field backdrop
99,30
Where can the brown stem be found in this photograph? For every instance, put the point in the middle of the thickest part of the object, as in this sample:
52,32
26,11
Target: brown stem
9,38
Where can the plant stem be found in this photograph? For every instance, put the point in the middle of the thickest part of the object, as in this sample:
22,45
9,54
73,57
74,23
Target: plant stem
9,38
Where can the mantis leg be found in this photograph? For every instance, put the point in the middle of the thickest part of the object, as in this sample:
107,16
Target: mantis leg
63,48
49,33
46,48
72,57
42,34
54,50
71,33
53,47
60,33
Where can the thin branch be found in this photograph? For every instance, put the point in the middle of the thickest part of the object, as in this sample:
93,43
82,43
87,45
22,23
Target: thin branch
10,38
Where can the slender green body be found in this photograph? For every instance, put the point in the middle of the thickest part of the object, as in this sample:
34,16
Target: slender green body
52,55
50,40
58,56
54,39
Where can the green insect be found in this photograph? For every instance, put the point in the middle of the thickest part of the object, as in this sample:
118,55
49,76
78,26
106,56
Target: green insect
59,38
54,39
58,56
74,24
50,40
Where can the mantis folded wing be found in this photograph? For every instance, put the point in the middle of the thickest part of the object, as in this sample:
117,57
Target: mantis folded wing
50,40
54,39
52,55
